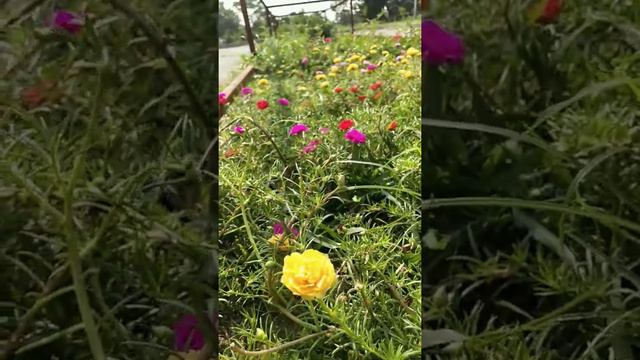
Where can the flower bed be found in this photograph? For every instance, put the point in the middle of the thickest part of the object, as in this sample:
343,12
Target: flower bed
320,179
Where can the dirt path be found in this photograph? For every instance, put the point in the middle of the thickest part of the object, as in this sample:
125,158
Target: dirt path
230,62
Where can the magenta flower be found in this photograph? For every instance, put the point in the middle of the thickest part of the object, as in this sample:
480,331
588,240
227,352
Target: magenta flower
355,136
246,91
187,336
238,130
311,147
439,46
304,61
324,131
67,21
297,129
278,229
283,102
371,67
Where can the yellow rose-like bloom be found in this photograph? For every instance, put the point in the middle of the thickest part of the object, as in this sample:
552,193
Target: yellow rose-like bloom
406,74
352,67
412,51
332,74
281,241
321,77
385,53
337,60
308,275
324,84
404,61
373,51
263,82
334,69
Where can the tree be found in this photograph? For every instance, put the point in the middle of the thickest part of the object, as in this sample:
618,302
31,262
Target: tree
229,28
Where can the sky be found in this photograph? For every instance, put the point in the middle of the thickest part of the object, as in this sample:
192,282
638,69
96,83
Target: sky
228,4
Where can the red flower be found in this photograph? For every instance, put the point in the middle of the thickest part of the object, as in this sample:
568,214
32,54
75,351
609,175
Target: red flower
392,125
222,99
362,98
36,95
551,12
346,124
354,89
377,95
376,85
328,40
337,90
262,104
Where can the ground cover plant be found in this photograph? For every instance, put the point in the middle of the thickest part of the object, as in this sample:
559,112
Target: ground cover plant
531,180
320,173
104,235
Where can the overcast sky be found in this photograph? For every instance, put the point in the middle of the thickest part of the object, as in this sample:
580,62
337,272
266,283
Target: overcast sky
284,10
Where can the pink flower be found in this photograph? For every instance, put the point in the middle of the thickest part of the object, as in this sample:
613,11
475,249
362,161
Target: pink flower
186,333
278,229
304,61
297,129
324,131
238,130
327,40
312,146
67,21
371,67
246,91
222,99
283,102
439,46
355,136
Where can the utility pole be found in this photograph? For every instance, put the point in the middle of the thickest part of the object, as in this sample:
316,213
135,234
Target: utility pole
351,10
247,26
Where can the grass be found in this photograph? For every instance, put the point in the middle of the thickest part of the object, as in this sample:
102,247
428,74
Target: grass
531,195
357,203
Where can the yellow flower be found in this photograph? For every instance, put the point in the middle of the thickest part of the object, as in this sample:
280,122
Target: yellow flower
332,74
326,49
373,51
308,275
352,67
385,53
412,51
404,61
263,82
320,77
337,60
315,49
281,241
334,69
301,88
324,84
406,74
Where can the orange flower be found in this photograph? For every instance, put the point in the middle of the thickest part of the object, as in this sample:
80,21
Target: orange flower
377,95
376,85
337,90
392,125
229,153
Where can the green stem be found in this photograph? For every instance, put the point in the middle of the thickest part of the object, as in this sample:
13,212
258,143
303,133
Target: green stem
348,331
73,248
